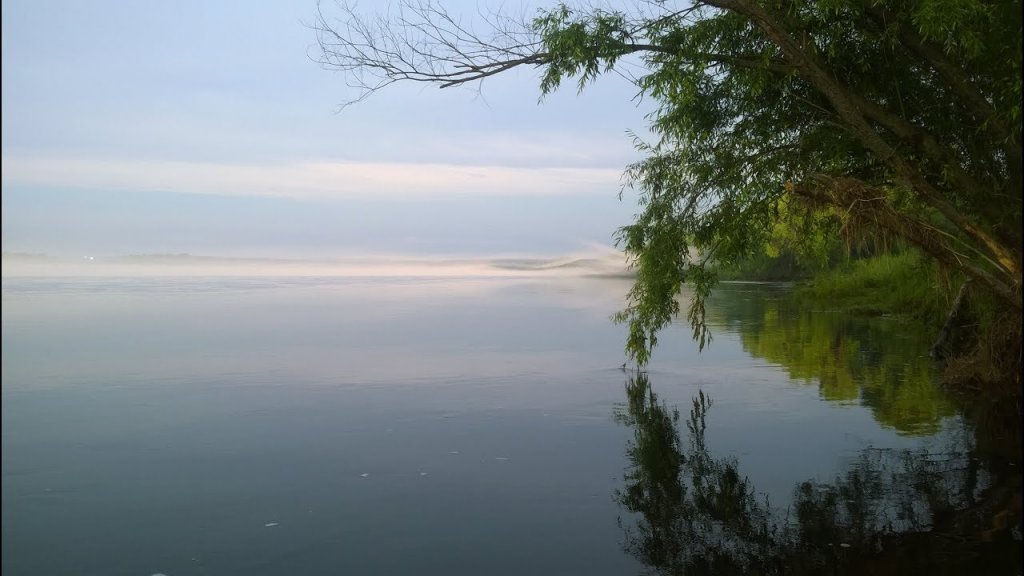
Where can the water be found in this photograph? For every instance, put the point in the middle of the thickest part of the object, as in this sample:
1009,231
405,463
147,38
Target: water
403,424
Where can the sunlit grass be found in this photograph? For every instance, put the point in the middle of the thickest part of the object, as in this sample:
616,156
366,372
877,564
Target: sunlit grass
900,284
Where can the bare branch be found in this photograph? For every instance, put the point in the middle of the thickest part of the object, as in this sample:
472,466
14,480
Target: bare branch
419,41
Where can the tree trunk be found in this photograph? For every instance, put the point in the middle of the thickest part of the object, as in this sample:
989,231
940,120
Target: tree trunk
952,334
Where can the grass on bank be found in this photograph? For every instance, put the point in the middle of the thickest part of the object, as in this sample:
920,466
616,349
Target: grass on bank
900,284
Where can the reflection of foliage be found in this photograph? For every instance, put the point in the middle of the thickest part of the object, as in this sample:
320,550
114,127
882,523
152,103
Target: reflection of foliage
892,512
696,511
883,364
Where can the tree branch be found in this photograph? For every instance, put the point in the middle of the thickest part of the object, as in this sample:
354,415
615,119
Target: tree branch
852,109
864,205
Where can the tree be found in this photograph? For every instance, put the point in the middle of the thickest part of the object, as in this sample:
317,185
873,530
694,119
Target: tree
898,118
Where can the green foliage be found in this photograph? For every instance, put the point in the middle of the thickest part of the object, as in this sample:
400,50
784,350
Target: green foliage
751,113
780,126
897,284
763,268
810,235
581,45
798,243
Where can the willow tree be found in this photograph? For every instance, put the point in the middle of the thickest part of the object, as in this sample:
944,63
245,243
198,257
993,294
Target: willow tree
898,118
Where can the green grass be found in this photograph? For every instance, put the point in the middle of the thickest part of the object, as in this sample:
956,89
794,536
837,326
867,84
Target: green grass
898,284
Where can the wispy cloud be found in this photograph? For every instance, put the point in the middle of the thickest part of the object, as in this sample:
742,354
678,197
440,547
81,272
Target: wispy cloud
309,179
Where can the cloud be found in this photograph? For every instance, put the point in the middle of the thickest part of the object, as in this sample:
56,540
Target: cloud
309,179
534,148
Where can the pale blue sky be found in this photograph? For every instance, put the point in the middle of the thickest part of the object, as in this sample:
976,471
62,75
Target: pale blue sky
204,127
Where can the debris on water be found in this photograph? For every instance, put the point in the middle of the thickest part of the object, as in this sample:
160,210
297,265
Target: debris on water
454,452
500,458
367,475
270,524
423,473
844,545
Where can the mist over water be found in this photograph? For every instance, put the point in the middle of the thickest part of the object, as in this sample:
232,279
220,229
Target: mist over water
598,261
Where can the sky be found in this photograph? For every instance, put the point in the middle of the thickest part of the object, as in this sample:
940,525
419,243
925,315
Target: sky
207,128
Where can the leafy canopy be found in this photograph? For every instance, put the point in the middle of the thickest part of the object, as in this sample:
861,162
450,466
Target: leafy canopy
897,118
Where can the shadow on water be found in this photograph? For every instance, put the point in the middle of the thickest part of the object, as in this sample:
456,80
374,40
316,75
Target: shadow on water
880,363
890,512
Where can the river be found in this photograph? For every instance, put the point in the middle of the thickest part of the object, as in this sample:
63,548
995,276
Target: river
470,425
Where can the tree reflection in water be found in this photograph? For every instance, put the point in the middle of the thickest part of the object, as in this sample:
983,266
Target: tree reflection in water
890,513
877,362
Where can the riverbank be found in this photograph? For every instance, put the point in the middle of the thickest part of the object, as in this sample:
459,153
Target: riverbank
981,346
903,284
891,284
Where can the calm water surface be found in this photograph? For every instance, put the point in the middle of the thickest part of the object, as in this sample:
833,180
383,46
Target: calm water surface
406,425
